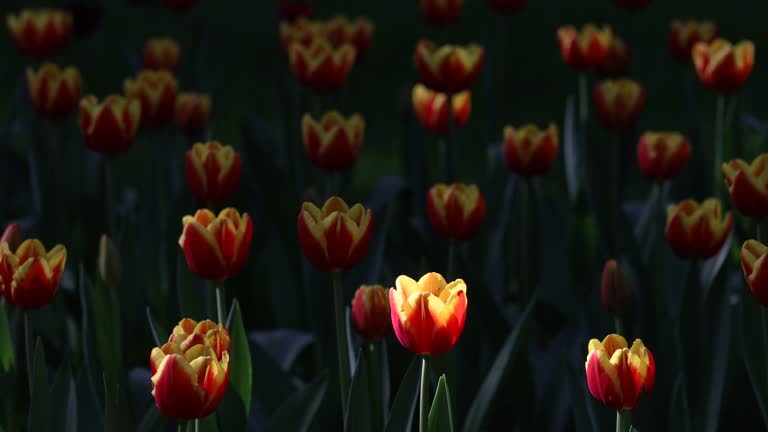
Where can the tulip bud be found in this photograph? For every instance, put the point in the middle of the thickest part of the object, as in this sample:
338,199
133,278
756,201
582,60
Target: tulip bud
370,312
616,61
54,91
662,155
618,103
12,236
613,287
110,268
319,65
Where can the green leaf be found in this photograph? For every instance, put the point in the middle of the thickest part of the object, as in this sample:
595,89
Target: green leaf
359,407
191,299
6,343
64,400
752,339
440,414
297,412
108,333
152,421
677,407
240,372
39,400
404,405
155,328
207,424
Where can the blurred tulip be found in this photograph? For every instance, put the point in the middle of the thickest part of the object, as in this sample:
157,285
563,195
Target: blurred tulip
616,61
110,126
748,185
40,32
110,267
156,90
448,68
213,171
428,316
632,4
341,30
662,155
30,277
755,267
585,49
685,34
441,12
370,312
87,15
616,374
455,211
332,143
290,11
722,66
216,247
12,236
614,292
431,108
161,53
697,230
618,103
506,7
530,151
55,93
302,31
192,113
320,66
189,333
334,237
177,5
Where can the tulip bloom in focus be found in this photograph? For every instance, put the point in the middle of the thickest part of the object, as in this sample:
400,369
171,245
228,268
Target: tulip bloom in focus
662,155
506,7
54,92
616,374
190,372
321,66
530,151
428,316
755,267
697,230
156,90
586,49
40,32
370,312
12,236
616,61
614,292
341,30
161,54
632,4
722,66
441,12
455,211
431,108
748,185
333,142
618,103
30,277
335,237
213,171
110,126
684,35
216,247
448,68
191,113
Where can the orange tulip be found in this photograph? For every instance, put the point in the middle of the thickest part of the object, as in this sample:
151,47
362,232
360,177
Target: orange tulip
585,49
30,277
213,171
616,61
455,211
370,312
216,247
616,374
431,108
506,7
161,54
110,126
662,155
54,92
428,315
40,32
618,103
191,112
333,142
448,68
12,236
530,151
755,268
319,65
441,12
697,230
341,30
334,237
614,292
748,185
684,35
156,90
722,66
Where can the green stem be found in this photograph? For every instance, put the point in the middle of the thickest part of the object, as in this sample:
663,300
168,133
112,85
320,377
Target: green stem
619,324
583,99
220,305
28,348
623,420
341,339
210,301
616,183
450,143
374,353
109,197
719,144
182,427
423,395
524,246
449,273
197,425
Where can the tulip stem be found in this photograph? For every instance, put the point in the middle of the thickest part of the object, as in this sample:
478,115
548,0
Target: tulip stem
182,426
219,305
450,142
28,347
623,420
619,324
423,393
719,144
109,197
523,289
341,339
197,425
451,260
583,102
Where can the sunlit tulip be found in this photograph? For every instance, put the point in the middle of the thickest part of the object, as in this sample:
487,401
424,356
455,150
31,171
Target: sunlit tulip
12,236
161,54
584,49
617,374
370,312
506,7
109,126
662,155
448,68
455,211
335,237
530,151
156,90
321,66
748,185
683,35
341,30
177,5
189,333
332,142
302,31
697,230
632,4
192,113
428,316
54,92
110,267
616,61
213,171
722,66
40,32
618,103
614,292
441,12
216,247
30,277
431,108
755,267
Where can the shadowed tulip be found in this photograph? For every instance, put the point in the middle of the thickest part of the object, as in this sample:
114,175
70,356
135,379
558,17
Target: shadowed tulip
506,7
54,92
110,126
161,53
683,35
662,155
455,211
156,90
530,151
216,247
30,277
441,12
212,171
448,68
341,30
618,103
40,32
748,185
192,113
333,142
615,64
614,292
370,312
431,108
722,66
321,66
12,236
697,230
584,49
755,268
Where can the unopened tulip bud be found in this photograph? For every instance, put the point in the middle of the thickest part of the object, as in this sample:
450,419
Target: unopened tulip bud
614,292
110,268
370,312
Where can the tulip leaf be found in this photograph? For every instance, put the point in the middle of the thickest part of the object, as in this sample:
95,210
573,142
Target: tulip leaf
711,267
240,372
155,328
404,405
64,400
570,150
753,337
152,421
206,424
6,343
678,408
283,345
191,297
89,355
440,414
39,398
358,417
297,412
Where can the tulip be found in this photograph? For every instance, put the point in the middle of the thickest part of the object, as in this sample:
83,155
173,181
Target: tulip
618,103
431,108
441,12
334,237
54,92
30,277
191,113
455,211
530,151
755,268
40,32
341,30
370,312
321,66
748,185
332,143
12,236
110,126
216,247
177,5
428,316
189,333
722,66
697,230
156,90
616,374
110,268
506,7
614,292
662,155
685,34
632,4
161,54
616,61
302,31
585,49
448,68
213,171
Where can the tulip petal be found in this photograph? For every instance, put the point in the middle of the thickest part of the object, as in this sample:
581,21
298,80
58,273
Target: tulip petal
176,390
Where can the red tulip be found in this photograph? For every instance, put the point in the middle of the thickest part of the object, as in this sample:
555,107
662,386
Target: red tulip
320,66
748,185
40,32
30,277
55,93
302,31
455,211
616,62
448,68
370,312
191,113
333,143
161,54
530,151
618,103
441,12
585,49
722,66
431,108
189,333
697,230
341,30
614,292
616,374
110,126
755,268
662,155
156,90
213,171
684,35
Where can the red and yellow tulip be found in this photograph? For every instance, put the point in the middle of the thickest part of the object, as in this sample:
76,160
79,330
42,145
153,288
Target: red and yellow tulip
40,32
332,143
441,12
213,171
697,230
156,90
618,103
662,155
370,312
530,151
683,35
614,292
30,277
748,185
321,66
584,49
302,31
455,211
431,108
506,7
755,267
341,30
722,66
448,68
216,247
54,92
192,112
161,53
617,374
616,61
189,333
109,126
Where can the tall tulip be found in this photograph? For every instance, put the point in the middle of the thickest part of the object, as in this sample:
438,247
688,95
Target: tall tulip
748,185
212,171
109,126
697,230
40,32
30,276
